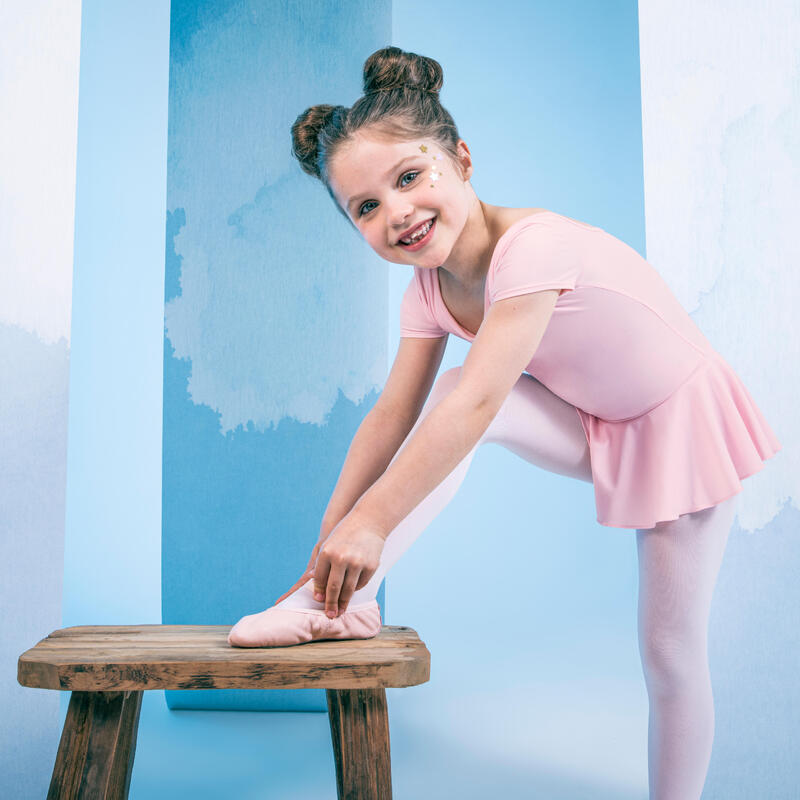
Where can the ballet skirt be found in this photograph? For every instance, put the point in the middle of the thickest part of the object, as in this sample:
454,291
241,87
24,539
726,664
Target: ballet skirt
671,427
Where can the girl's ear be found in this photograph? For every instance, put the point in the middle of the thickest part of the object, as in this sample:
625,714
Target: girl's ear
464,160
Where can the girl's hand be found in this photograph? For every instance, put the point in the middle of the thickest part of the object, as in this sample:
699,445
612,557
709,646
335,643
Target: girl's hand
307,575
349,557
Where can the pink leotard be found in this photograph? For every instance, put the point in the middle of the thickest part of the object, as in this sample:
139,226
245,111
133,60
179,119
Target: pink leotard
671,427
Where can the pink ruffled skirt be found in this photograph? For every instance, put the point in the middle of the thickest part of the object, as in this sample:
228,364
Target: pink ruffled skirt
689,452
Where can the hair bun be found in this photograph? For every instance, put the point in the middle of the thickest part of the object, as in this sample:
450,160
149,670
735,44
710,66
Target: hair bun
305,135
392,68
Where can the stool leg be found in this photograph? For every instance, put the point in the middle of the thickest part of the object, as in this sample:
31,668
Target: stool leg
98,743
360,733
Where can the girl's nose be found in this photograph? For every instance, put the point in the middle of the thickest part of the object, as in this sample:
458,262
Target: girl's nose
400,214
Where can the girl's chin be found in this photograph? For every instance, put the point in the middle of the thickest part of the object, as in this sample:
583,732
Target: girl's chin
422,263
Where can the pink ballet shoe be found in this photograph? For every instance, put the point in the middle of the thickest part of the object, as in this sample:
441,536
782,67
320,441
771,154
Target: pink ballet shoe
280,627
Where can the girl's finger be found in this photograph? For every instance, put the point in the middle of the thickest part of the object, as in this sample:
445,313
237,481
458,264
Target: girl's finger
336,577
351,581
364,578
321,573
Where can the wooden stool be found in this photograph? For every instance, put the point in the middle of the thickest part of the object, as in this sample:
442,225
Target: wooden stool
108,668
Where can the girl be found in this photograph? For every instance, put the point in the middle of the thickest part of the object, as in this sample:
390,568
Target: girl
583,363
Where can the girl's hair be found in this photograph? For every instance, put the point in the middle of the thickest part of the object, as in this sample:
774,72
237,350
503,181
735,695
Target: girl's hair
400,102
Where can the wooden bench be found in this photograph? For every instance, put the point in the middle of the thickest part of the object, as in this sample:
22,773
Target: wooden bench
108,668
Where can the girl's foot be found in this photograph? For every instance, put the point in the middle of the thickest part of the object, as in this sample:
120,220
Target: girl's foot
279,626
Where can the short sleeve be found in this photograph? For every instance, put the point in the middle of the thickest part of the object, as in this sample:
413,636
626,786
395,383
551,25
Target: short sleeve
416,318
535,258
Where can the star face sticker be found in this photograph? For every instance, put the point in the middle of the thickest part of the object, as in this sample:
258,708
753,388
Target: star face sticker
436,157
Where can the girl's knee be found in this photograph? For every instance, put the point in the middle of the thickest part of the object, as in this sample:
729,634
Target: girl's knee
444,384
448,380
672,663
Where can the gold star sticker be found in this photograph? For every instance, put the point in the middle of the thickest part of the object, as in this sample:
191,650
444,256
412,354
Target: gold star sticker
423,148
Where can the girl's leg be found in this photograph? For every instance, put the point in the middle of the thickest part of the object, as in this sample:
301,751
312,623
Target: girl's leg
678,566
533,422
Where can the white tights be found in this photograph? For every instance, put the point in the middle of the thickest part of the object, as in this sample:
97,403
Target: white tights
678,566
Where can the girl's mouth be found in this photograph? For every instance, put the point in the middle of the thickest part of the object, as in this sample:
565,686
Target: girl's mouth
418,243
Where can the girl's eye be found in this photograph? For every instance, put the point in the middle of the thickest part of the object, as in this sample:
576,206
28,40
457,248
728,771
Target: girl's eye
361,211
408,173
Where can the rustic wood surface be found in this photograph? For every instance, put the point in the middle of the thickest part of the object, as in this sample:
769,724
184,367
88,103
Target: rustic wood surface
95,755
140,657
359,721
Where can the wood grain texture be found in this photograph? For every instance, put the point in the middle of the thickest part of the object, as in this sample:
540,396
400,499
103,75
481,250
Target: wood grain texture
95,755
140,657
359,723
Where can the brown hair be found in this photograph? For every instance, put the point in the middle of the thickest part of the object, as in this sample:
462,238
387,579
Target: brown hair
400,101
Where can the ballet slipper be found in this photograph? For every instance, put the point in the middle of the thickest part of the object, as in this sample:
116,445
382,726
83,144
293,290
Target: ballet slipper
281,627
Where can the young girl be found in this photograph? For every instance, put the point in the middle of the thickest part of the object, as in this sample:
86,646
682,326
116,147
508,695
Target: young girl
583,363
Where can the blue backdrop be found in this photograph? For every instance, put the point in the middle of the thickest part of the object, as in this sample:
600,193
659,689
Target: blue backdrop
213,275
275,340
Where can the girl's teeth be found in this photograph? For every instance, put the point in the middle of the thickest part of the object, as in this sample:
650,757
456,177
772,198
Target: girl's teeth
417,236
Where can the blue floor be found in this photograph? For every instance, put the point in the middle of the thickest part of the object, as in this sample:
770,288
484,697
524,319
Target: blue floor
566,739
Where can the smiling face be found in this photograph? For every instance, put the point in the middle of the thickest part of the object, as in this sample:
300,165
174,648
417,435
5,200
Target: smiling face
388,187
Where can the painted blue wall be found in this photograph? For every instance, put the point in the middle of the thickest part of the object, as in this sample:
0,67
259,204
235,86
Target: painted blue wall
275,340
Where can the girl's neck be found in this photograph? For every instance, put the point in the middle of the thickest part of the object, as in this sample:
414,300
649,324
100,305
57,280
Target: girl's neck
469,260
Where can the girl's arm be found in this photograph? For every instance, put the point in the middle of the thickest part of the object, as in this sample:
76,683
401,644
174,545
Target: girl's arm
506,342
387,425
374,445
